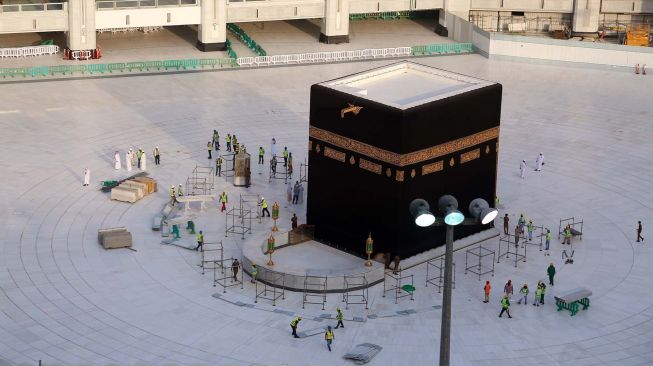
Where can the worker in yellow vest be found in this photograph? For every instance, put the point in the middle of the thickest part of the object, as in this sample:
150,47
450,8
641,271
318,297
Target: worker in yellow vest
200,241
328,336
228,141
339,317
223,201
285,156
173,196
254,273
567,239
293,326
209,147
264,207
261,154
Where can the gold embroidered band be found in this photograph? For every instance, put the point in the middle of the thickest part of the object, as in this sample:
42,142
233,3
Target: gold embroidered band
403,159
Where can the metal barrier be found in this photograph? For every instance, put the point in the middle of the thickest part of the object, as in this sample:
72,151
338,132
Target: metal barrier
29,51
138,4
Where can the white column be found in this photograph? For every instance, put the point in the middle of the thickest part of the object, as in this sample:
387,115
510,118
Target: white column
81,25
586,16
459,8
335,24
212,31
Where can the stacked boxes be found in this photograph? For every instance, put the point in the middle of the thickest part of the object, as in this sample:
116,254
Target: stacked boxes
133,190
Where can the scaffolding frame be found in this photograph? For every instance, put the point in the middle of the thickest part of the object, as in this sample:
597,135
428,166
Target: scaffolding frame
398,278
509,242
541,236
303,172
208,260
437,281
479,268
228,165
355,283
572,223
247,198
241,222
315,290
201,181
278,174
272,282
227,279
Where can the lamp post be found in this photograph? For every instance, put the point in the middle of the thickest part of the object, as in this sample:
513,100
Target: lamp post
448,207
369,248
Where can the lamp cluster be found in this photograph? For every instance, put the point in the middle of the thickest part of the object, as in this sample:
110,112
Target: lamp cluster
479,209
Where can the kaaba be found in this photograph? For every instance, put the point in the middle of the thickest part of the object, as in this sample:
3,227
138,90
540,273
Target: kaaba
383,137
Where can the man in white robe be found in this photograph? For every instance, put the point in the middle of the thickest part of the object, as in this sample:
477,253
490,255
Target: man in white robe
117,161
87,176
128,161
144,161
522,169
539,162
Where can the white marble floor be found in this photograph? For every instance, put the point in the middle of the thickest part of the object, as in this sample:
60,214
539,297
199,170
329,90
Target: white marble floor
66,301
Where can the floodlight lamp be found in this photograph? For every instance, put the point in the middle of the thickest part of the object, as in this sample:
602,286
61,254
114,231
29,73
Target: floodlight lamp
420,210
448,206
454,218
481,210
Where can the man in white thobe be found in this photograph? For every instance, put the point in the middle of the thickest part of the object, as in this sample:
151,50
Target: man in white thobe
273,147
539,162
144,161
117,161
87,176
522,169
128,161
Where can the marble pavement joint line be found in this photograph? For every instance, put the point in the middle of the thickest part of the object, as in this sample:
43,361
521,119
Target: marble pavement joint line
358,319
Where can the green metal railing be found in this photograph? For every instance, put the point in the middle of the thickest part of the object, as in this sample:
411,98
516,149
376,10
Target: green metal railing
387,15
247,40
117,67
187,64
434,49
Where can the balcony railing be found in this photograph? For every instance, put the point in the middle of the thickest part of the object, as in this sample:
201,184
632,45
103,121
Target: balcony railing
14,8
138,4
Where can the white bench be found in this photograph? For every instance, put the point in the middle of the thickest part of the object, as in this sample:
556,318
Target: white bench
202,198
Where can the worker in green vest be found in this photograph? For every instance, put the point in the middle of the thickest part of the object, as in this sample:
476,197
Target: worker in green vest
505,304
254,273
285,156
551,271
200,241
139,155
328,336
209,147
228,141
339,317
567,239
261,153
543,293
548,238
218,166
293,325
216,140
264,207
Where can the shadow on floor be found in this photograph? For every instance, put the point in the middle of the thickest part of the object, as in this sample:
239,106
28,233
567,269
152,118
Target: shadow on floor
306,26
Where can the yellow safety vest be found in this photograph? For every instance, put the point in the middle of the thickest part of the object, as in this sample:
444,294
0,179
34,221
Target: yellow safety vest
294,322
200,238
329,335
264,204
